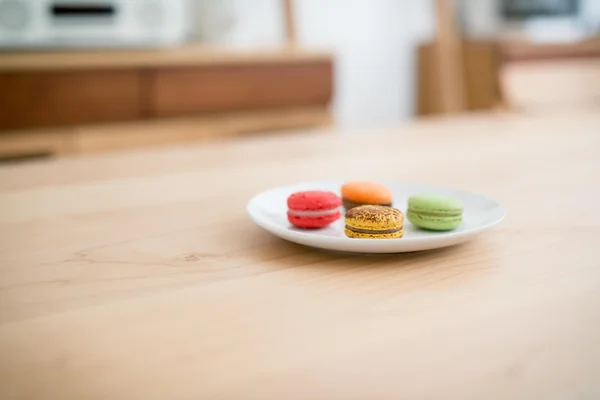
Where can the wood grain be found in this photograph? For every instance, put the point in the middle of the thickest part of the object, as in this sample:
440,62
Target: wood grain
139,275
481,70
519,51
140,134
481,62
428,81
55,98
36,143
179,56
183,91
449,60
172,131
552,84
289,22
186,82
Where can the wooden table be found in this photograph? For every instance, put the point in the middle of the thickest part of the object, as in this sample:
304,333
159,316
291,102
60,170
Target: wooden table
139,275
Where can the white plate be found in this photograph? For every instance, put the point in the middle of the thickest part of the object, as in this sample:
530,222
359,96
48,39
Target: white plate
268,210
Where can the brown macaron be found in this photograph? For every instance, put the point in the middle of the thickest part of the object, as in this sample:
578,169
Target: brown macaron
374,222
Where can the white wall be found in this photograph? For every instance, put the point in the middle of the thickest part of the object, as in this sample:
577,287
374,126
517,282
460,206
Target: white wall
373,41
239,23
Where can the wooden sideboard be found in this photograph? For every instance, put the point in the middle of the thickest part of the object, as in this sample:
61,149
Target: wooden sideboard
50,102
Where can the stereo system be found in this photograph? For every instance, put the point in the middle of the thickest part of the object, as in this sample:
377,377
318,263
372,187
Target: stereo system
92,23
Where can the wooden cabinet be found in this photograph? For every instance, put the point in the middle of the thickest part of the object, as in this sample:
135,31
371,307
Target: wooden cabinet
79,90
181,91
83,94
56,98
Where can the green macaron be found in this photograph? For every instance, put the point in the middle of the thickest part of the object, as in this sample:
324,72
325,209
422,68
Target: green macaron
434,212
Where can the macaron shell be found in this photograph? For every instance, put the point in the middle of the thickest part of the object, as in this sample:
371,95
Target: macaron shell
348,204
313,222
434,212
374,222
373,217
363,192
358,235
435,204
313,200
434,223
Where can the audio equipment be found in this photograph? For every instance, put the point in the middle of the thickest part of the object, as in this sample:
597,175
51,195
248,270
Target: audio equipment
92,23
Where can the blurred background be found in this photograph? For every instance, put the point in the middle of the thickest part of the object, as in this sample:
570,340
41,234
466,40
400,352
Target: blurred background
89,76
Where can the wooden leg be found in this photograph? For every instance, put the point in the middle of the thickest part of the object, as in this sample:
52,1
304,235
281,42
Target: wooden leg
449,59
290,23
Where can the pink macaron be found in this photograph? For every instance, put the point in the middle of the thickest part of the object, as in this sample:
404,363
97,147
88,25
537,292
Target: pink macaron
313,209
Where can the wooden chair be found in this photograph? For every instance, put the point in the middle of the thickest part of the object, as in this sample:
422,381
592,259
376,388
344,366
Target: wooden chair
546,78
458,75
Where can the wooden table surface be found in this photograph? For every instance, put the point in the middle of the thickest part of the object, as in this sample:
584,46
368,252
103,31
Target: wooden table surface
139,275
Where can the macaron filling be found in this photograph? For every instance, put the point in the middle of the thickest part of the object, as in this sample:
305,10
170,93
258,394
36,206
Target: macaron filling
348,204
435,214
318,213
373,231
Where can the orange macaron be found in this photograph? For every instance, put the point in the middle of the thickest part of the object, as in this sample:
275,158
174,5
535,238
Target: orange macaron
359,193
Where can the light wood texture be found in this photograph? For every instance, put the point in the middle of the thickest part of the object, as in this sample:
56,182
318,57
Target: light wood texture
514,75
208,128
481,66
289,18
179,56
95,138
550,77
552,84
36,143
526,51
139,276
427,98
448,54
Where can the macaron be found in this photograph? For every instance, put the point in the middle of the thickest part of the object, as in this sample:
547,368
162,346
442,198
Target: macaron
374,222
313,209
360,193
435,212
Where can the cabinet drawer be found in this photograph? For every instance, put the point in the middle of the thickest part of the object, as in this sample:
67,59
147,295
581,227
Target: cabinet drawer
54,98
206,89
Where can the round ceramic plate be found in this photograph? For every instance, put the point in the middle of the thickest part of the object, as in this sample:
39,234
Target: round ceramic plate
268,209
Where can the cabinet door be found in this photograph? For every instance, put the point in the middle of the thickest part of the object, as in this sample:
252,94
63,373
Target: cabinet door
31,99
208,89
